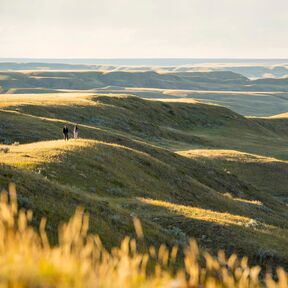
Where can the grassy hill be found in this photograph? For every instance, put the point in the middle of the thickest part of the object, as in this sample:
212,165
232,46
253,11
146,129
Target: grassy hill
209,81
262,97
137,158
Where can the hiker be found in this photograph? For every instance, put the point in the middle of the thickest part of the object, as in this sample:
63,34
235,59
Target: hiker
75,131
65,133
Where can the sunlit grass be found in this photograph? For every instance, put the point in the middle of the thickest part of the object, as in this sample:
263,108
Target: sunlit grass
32,154
60,99
80,260
228,155
71,164
252,202
199,213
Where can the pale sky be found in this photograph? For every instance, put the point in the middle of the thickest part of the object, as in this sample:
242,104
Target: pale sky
144,28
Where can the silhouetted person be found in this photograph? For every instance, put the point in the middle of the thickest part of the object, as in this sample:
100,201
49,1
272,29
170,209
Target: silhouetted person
65,133
76,131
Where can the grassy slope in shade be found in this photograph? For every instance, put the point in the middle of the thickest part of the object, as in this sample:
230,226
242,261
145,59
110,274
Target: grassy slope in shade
126,166
80,260
263,97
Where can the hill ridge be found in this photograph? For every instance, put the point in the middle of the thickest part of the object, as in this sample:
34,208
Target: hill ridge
128,163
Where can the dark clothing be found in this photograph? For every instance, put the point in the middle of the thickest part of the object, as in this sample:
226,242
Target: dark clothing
65,133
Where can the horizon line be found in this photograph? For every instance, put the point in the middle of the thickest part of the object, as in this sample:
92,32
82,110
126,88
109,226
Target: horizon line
152,58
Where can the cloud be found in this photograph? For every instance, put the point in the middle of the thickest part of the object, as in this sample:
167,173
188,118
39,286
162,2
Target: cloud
150,28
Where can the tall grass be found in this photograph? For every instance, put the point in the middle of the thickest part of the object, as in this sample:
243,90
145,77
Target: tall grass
79,259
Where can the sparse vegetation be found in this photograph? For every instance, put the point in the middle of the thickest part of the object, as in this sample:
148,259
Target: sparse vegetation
262,97
80,260
146,159
4,150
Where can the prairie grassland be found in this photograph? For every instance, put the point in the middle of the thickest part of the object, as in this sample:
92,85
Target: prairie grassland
261,171
246,103
169,124
229,202
126,181
13,100
80,260
202,214
37,153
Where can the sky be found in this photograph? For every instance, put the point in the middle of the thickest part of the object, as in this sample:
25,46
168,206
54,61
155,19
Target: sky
144,28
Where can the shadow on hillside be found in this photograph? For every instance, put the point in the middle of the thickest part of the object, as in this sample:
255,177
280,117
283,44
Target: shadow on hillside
110,170
190,124
111,218
263,246
269,177
127,113
277,125
118,123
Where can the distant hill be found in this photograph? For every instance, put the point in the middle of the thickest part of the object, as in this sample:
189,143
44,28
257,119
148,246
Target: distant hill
251,68
262,97
85,80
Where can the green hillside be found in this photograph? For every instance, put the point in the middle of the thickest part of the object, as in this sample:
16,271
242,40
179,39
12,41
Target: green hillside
161,161
79,80
262,97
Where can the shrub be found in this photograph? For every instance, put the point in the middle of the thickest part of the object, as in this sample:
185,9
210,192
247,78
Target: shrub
4,150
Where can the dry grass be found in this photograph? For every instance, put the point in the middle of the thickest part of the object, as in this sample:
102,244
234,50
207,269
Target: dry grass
36,153
8,100
200,214
57,99
79,260
228,155
70,164
106,177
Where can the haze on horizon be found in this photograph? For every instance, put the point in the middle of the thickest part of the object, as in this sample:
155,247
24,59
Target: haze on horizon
143,29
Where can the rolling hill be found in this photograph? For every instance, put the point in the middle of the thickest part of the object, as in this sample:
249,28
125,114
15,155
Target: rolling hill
186,169
210,81
251,68
261,97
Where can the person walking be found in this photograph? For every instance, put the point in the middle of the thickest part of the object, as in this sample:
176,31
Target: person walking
65,133
76,131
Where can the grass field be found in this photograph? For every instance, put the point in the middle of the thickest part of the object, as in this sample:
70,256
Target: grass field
80,259
186,169
249,103
261,97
